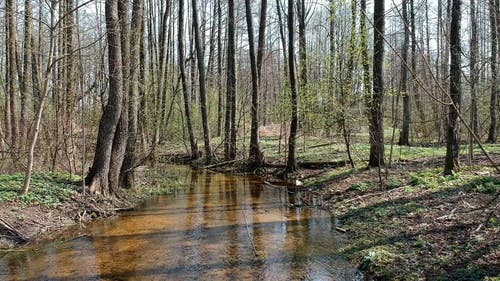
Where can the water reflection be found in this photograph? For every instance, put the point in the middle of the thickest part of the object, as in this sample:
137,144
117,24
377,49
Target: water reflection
220,228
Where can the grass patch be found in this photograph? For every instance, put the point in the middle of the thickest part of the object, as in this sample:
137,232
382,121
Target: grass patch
46,188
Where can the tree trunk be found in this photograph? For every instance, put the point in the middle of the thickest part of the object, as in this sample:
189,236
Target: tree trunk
291,164
97,178
182,70
230,84
492,132
473,78
203,92
255,155
404,138
376,105
11,72
136,35
364,54
453,130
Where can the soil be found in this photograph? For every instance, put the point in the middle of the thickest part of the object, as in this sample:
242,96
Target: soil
24,224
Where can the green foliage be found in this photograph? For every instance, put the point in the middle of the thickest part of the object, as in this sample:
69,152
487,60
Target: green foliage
488,185
362,186
46,188
377,257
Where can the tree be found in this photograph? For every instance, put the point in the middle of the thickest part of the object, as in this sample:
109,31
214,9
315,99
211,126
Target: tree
202,82
291,163
136,34
255,155
182,71
404,138
230,123
12,88
492,132
451,163
376,103
98,176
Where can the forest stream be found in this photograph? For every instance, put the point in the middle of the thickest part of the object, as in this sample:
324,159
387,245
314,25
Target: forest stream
221,227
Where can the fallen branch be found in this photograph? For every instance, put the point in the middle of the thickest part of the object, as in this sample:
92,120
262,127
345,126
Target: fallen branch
375,194
11,229
222,164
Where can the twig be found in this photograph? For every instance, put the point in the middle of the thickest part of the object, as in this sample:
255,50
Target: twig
248,233
222,164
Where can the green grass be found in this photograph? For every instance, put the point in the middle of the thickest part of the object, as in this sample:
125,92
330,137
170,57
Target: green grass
45,189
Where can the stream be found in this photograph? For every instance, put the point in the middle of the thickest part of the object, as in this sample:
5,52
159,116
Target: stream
222,227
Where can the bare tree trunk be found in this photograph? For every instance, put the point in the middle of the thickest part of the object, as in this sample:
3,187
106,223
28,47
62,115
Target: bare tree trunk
376,106
291,163
451,163
136,36
219,69
230,84
261,47
97,178
364,54
202,81
473,78
255,156
182,69
492,132
11,72
404,138
27,70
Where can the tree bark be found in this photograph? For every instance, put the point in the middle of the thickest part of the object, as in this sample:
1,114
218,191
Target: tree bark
202,82
255,156
11,72
230,85
453,129
136,36
98,177
492,132
376,105
291,164
182,71
404,138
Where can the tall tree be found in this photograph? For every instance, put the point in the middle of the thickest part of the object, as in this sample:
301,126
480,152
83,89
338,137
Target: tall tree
376,103
182,71
136,36
230,123
451,163
202,82
473,77
255,155
291,163
12,88
492,132
98,177
404,138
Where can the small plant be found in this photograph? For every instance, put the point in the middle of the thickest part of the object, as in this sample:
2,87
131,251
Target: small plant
488,185
361,186
377,257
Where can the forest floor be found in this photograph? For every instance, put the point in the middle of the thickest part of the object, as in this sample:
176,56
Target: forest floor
406,222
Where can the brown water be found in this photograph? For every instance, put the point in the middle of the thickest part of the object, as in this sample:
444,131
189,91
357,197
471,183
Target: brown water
221,228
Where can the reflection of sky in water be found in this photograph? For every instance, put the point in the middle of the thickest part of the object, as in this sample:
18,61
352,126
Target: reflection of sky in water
221,228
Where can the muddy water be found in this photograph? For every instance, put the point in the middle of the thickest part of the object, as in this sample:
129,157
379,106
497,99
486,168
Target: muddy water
220,228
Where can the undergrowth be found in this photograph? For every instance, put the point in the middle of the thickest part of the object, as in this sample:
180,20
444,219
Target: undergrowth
46,188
